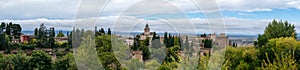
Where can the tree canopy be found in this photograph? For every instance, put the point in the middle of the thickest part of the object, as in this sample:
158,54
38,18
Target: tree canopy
60,34
276,29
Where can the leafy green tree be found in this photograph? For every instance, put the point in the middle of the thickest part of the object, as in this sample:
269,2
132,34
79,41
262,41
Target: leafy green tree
276,29
155,41
203,63
243,66
177,41
241,58
172,54
188,63
164,67
152,65
40,60
87,51
207,43
146,53
12,30
8,28
146,42
14,62
67,62
105,52
283,49
203,35
283,61
134,64
60,34
280,54
102,32
6,63
159,54
16,31
20,61
41,37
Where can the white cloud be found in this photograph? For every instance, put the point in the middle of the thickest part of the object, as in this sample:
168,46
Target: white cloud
33,9
295,4
255,5
67,9
61,13
245,14
233,25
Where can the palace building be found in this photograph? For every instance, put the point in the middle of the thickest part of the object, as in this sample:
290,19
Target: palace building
146,33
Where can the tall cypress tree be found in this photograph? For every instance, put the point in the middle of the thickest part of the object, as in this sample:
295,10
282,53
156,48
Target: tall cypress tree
2,27
96,32
51,38
36,31
166,41
8,28
186,44
136,43
108,31
180,41
171,40
102,31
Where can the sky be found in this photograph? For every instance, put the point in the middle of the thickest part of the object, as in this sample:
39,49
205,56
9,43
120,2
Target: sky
236,16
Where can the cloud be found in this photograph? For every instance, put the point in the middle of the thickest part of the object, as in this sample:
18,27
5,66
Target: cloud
245,14
62,14
295,4
67,9
256,5
33,9
194,25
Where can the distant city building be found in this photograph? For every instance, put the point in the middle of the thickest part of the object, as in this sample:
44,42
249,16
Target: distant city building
15,40
196,42
146,33
221,41
26,38
128,41
61,39
138,55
